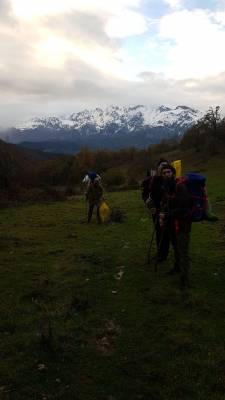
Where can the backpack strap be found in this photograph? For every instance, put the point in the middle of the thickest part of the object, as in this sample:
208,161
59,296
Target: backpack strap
181,179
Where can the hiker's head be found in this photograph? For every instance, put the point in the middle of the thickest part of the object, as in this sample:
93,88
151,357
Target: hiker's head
168,172
160,164
96,182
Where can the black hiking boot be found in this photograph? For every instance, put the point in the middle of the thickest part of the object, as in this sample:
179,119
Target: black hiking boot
175,270
158,259
184,283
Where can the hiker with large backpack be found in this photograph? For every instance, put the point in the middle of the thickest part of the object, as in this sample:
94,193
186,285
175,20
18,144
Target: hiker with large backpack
94,195
175,219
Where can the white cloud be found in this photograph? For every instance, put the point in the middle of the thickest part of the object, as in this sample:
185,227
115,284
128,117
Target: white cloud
196,44
174,3
126,24
220,4
33,9
71,54
79,29
51,51
220,17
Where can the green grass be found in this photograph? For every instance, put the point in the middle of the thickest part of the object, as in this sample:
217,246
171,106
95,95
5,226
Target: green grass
71,329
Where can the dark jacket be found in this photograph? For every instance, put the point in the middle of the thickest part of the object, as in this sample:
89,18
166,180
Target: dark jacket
176,204
146,187
156,192
94,193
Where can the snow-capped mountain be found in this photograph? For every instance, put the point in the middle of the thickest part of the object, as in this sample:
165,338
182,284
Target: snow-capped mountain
111,127
129,117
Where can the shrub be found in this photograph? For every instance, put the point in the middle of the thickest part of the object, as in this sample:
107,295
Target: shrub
55,193
132,183
116,215
113,178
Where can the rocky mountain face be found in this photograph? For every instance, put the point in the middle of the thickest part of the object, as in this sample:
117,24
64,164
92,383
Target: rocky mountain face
113,127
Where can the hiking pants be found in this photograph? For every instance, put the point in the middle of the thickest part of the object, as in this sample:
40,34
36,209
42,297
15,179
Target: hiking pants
162,239
90,212
180,240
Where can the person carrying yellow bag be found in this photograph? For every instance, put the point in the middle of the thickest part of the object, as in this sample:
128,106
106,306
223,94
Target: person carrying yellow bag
94,197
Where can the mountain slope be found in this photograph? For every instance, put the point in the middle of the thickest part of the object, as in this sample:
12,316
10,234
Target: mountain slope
113,127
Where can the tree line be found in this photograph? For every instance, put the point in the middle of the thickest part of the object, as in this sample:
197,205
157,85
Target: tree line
207,135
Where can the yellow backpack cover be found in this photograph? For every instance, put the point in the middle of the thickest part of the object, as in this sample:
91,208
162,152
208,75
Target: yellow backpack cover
104,211
177,165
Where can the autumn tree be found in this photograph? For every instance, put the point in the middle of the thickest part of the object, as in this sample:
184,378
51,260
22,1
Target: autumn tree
212,120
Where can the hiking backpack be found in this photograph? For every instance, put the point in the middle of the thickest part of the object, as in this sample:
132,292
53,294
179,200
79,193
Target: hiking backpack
195,184
91,176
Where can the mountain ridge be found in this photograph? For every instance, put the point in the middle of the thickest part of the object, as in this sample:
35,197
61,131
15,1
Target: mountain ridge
113,127
133,117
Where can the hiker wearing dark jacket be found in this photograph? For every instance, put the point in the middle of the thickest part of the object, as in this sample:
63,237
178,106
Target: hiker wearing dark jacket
145,186
153,202
175,220
94,197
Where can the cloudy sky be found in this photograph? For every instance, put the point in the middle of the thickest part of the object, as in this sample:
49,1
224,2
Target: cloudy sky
61,56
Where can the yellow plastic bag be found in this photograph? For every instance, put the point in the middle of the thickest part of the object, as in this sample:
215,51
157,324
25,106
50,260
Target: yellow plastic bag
104,212
177,165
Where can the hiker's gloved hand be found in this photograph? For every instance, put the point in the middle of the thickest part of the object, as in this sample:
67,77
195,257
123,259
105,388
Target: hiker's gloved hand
149,203
161,219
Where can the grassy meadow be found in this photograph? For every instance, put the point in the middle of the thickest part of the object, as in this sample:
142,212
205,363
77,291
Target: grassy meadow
84,317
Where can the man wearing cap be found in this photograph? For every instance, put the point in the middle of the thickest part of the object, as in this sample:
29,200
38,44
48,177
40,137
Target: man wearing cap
153,202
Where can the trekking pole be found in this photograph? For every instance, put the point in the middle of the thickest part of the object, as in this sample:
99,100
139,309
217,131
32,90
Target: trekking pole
151,242
158,250
162,235
86,208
